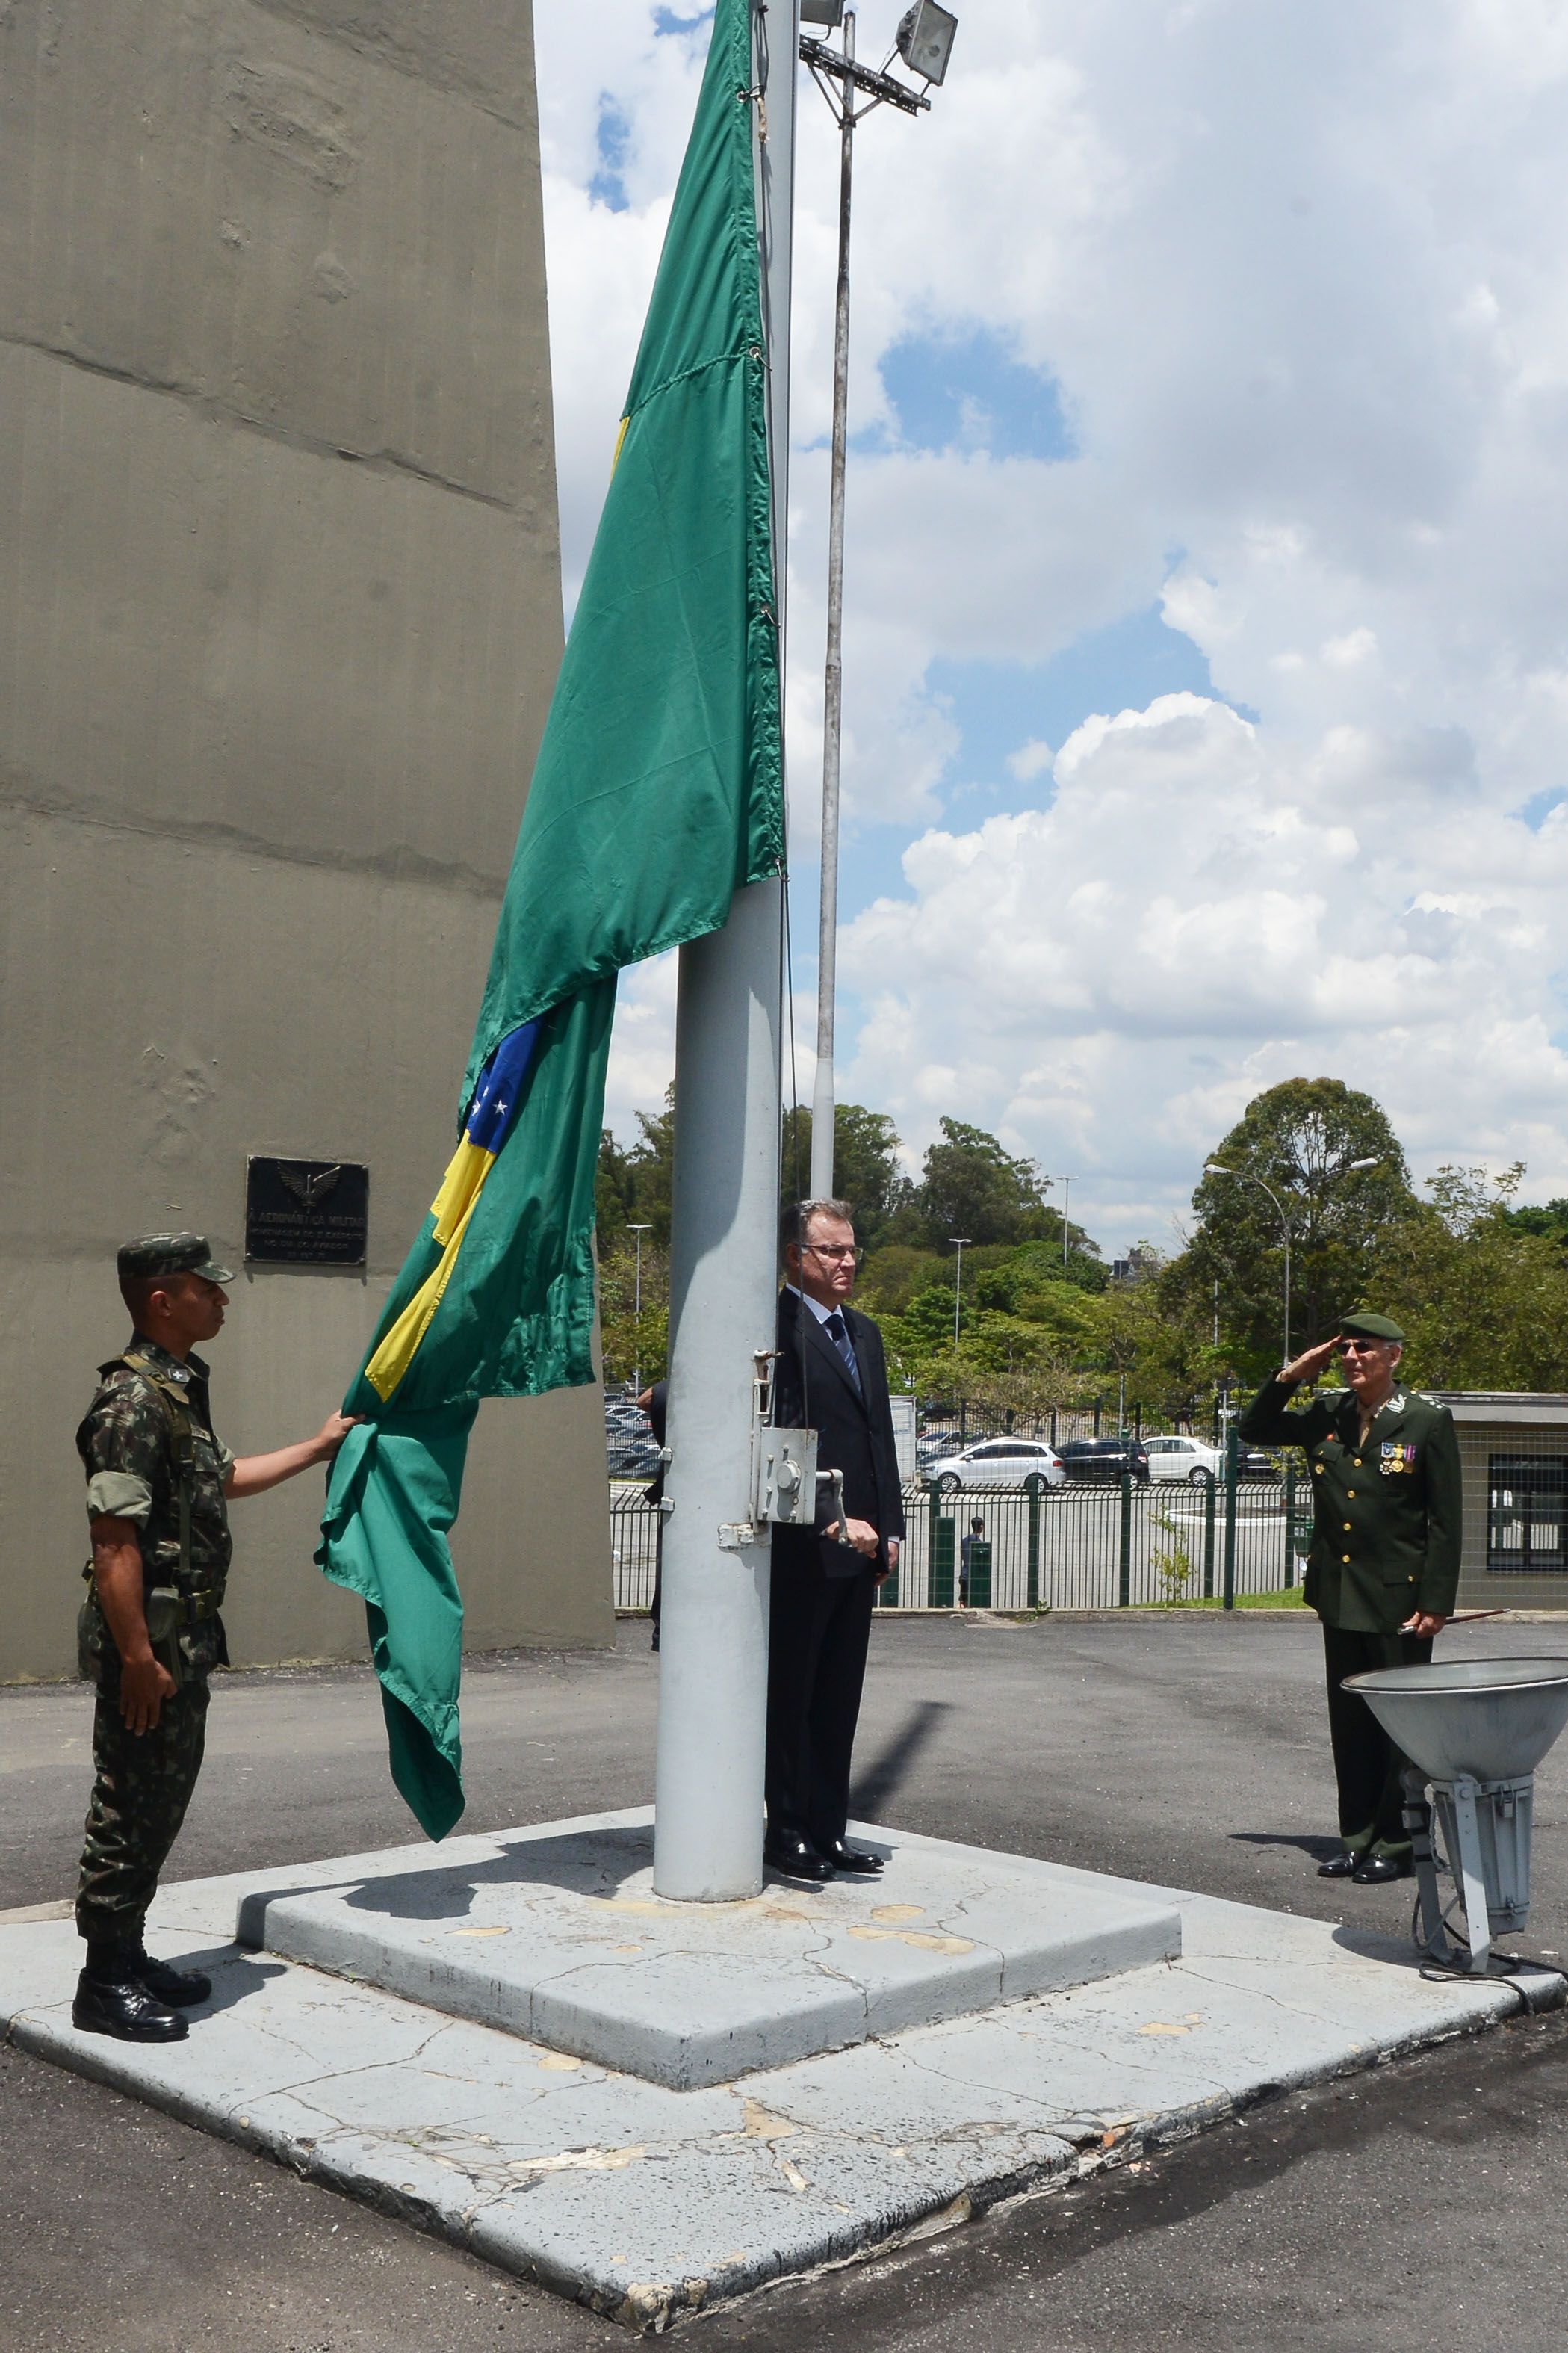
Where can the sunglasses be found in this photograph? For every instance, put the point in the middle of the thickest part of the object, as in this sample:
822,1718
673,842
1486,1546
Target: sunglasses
846,1250
1360,1347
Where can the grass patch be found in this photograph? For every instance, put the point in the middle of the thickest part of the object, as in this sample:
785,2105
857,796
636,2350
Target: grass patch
1289,1598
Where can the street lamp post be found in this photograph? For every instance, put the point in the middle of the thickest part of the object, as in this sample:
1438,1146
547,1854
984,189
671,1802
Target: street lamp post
1067,1197
924,42
636,1313
1349,1167
958,1291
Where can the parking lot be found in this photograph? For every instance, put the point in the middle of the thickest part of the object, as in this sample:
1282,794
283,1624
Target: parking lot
1085,1544
1401,2212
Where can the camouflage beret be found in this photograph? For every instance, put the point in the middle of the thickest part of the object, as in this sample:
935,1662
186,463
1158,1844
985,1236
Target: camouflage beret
157,1254
1369,1327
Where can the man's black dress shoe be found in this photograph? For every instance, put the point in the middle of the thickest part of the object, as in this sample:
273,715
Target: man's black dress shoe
176,1989
853,1860
795,1857
1342,1866
1377,1870
125,2007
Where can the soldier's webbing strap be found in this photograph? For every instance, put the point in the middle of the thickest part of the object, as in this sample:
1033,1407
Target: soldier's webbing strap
182,1446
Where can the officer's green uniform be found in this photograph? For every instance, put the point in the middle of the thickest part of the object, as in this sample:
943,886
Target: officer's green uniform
1385,1544
130,1441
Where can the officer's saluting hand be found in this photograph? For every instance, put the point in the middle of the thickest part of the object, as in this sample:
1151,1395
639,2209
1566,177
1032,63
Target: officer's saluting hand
159,1482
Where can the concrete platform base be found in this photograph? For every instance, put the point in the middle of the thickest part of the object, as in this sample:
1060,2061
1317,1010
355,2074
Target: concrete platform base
555,1932
643,2199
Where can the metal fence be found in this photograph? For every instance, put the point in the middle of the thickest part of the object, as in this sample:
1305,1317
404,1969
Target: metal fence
635,1523
1090,1544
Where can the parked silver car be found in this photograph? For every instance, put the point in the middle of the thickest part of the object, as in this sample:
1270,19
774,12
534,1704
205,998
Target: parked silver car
1192,1459
996,1462
1184,1457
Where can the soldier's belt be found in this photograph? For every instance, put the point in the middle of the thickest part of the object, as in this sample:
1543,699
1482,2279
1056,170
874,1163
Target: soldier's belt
168,1612
175,1609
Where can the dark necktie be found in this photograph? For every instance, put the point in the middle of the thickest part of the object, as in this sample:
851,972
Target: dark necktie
835,1328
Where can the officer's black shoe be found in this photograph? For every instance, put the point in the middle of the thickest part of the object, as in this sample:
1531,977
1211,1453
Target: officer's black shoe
125,2007
1378,1870
795,1856
1342,1866
853,1860
176,1989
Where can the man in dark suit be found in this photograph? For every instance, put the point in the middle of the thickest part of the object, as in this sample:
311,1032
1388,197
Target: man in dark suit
831,1379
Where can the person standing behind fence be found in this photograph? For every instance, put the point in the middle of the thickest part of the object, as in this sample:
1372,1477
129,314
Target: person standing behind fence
1383,1567
965,1557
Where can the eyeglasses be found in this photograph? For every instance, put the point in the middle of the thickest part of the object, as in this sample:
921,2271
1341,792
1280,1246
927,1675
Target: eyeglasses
1360,1347
850,1250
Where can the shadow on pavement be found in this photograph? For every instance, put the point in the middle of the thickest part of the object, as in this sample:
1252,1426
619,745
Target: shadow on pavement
1313,1843
886,1774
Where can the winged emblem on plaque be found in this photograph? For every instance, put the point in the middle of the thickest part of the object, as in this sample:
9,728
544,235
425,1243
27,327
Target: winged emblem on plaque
309,1190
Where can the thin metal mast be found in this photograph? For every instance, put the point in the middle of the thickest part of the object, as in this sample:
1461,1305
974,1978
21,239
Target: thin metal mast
823,1091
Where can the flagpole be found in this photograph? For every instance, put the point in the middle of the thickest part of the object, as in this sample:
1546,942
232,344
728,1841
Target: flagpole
713,1636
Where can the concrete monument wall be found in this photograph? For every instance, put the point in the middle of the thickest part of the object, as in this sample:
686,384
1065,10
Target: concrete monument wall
279,616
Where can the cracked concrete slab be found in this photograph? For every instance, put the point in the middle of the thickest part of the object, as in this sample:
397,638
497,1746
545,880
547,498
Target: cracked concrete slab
554,1933
644,2199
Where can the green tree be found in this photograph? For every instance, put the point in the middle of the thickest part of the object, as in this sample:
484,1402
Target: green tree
1547,1220
1299,1139
633,1187
1484,1302
868,1171
893,1277
1006,1274
972,1187
630,1342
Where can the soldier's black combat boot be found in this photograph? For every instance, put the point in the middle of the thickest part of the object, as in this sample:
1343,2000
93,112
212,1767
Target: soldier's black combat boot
110,1999
176,1989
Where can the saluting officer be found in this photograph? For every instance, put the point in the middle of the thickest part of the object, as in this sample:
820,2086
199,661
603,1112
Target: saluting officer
157,1486
1385,1561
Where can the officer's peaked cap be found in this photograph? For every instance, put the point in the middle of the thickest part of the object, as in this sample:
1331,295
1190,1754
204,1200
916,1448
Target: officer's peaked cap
1369,1327
157,1254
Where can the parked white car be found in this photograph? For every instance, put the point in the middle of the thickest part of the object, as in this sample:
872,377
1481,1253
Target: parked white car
1183,1457
997,1462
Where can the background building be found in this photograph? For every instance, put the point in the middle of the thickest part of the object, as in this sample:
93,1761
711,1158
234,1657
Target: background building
1513,1448
279,614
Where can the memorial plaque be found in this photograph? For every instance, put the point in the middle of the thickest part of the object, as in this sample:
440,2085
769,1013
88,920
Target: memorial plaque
306,1212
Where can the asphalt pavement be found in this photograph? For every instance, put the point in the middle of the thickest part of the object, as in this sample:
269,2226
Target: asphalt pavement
1413,2209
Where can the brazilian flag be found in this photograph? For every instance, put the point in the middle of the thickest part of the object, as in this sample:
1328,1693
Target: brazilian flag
657,794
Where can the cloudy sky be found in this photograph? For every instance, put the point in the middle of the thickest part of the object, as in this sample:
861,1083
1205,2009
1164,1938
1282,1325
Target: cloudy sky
1206,632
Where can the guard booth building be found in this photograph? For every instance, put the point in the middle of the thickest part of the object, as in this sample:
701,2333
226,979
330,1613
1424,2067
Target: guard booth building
1513,1447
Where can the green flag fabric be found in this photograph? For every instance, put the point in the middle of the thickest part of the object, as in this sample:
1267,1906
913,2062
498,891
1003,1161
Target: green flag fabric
656,794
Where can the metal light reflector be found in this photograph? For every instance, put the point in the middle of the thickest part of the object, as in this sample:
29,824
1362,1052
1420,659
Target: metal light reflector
925,39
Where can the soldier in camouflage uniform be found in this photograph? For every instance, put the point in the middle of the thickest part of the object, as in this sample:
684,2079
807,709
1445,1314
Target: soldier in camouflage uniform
159,1482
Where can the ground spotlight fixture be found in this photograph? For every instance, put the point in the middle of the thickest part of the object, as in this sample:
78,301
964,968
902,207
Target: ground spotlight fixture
925,40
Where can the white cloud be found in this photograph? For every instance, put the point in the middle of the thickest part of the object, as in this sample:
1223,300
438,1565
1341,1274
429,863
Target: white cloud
1192,920
1310,331
1030,760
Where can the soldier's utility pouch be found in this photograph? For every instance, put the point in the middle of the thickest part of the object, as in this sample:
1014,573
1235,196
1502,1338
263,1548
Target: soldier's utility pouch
166,1614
